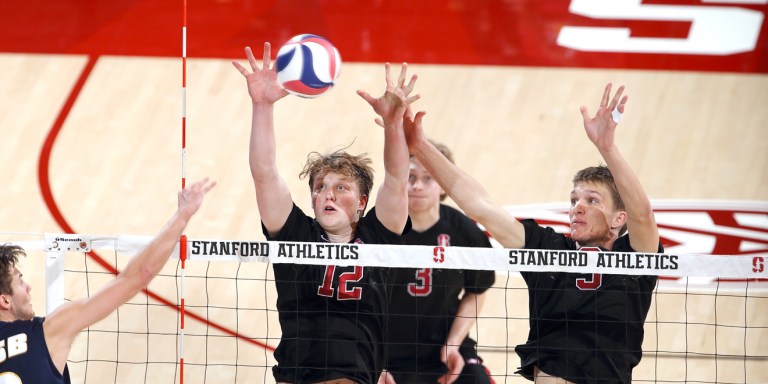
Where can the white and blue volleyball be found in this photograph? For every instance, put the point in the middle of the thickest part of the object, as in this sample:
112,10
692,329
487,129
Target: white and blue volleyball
307,65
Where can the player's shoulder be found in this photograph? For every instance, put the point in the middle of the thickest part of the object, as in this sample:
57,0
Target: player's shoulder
25,326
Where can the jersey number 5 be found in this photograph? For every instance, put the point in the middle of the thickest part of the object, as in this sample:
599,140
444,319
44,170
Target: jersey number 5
595,281
345,293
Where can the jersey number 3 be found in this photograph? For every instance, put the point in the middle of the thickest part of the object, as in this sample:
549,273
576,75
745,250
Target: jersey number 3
345,293
423,285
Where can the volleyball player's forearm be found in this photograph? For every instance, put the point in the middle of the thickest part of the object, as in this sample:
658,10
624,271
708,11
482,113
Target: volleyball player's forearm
640,218
465,318
396,157
391,210
261,151
148,263
273,198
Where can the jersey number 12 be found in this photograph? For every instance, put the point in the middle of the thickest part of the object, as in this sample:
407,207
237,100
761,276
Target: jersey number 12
345,293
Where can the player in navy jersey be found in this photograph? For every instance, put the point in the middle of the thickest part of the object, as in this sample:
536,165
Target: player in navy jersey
35,349
584,328
330,316
429,320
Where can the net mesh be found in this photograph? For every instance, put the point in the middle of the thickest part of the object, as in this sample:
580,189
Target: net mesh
698,330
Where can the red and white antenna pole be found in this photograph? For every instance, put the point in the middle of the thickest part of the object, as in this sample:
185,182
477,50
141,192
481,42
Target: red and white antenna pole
183,239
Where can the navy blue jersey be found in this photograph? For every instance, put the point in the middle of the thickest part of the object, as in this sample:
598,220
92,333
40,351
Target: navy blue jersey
331,317
425,300
581,331
25,354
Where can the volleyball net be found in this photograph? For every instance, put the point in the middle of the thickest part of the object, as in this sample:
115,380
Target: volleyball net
707,323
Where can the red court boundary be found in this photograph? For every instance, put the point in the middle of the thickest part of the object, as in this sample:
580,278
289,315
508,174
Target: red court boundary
53,208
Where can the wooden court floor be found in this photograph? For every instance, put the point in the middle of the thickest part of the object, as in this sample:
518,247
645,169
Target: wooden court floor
115,164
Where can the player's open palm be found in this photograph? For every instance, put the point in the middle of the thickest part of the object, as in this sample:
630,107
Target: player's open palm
263,86
601,128
191,197
391,106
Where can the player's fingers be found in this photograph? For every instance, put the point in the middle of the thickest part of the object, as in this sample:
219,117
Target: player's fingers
251,59
622,103
367,97
606,94
616,98
208,186
387,77
419,116
240,68
411,99
584,112
199,183
267,60
401,78
410,85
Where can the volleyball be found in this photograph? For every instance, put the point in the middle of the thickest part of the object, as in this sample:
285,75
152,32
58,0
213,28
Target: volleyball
307,65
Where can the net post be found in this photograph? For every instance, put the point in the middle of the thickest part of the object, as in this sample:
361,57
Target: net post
183,239
54,280
182,313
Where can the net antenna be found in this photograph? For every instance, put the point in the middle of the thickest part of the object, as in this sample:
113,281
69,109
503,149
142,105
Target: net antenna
183,238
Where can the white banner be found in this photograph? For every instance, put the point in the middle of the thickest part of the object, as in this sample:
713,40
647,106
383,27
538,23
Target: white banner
497,259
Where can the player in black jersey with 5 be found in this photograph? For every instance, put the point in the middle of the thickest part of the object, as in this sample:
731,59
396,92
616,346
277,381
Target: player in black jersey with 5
583,328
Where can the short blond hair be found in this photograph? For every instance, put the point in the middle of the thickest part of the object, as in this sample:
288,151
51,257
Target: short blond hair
358,168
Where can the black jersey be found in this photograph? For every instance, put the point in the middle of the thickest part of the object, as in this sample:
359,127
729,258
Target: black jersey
425,301
331,317
25,357
585,328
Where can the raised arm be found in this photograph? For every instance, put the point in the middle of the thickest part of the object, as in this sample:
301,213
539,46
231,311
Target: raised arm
272,195
601,129
467,192
69,319
392,197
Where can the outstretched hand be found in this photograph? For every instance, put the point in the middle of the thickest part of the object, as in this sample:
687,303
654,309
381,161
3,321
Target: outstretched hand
191,197
262,82
602,127
412,126
392,105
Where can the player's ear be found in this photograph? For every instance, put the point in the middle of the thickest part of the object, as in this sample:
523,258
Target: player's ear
5,301
362,203
619,219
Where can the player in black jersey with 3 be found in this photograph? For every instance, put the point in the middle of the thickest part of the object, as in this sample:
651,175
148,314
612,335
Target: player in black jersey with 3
583,328
331,317
429,320
35,349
